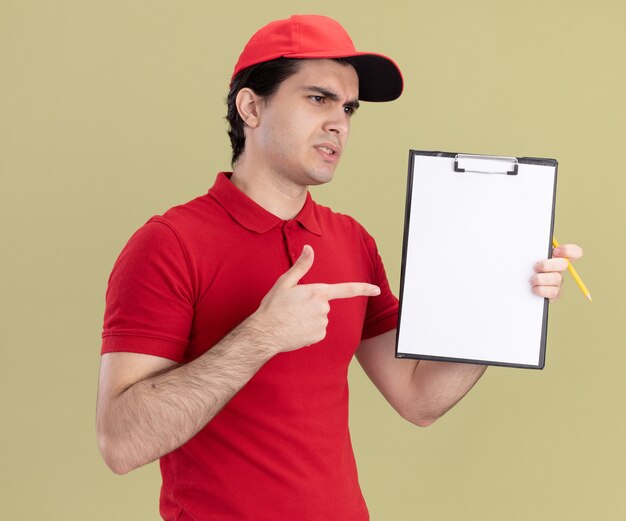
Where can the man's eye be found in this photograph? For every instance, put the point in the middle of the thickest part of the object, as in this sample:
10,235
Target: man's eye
318,99
349,110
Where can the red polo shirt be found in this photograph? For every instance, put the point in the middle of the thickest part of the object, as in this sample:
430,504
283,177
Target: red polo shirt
280,449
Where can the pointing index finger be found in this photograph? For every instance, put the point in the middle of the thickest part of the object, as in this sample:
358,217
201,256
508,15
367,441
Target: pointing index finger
351,289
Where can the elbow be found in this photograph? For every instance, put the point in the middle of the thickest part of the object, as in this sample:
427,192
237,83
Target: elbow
118,467
113,456
423,421
420,418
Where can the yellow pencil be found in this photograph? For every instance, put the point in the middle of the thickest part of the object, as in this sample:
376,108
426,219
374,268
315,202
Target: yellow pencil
575,275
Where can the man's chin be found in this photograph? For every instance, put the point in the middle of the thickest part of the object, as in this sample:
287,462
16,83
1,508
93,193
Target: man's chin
320,177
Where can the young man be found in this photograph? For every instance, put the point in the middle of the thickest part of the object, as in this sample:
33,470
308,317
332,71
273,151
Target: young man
231,320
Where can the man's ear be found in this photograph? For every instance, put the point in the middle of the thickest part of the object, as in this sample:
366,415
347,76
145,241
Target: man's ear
248,104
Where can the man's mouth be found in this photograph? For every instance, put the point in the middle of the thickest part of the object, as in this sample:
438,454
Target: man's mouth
327,150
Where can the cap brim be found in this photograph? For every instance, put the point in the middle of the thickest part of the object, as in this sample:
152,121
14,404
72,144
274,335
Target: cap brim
380,78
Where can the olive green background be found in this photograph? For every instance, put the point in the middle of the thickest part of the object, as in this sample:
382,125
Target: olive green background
111,112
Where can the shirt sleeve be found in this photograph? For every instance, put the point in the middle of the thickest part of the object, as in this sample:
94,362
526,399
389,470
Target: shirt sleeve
381,314
149,299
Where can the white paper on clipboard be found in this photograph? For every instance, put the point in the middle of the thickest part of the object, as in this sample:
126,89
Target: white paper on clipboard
474,228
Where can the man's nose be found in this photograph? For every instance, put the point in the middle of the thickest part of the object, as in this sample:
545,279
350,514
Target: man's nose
338,123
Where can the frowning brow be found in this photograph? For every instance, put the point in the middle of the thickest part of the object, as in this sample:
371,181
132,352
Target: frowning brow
354,103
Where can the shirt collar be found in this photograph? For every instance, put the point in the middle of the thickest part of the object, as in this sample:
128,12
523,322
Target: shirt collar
251,215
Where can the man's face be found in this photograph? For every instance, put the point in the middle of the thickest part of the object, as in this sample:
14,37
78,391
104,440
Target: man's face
303,128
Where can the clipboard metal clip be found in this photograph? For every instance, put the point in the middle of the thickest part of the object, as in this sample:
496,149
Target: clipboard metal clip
485,164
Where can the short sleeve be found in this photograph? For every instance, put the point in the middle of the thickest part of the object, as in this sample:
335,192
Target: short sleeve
382,311
149,299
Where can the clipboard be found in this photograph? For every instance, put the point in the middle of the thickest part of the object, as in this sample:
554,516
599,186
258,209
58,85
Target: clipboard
474,227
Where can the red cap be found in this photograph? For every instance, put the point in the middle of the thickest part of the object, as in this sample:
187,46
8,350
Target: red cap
315,36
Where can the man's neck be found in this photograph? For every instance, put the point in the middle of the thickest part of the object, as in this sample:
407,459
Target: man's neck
274,193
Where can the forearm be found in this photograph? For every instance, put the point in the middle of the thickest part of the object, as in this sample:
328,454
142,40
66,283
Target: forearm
157,415
435,387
